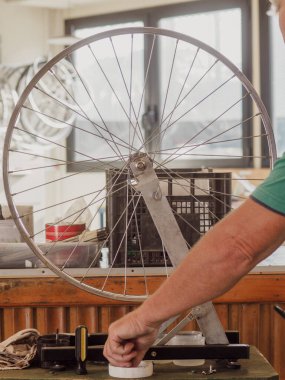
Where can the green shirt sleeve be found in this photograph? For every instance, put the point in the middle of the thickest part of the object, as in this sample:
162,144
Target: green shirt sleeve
271,193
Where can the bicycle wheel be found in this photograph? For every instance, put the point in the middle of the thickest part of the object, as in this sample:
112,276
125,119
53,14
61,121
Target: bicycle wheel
182,125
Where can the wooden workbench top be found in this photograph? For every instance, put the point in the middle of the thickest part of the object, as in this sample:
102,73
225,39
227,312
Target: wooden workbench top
257,367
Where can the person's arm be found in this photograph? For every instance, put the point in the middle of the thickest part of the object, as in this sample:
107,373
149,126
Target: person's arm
219,260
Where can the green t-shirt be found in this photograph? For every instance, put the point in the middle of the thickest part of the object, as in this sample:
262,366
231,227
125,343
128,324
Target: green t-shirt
271,193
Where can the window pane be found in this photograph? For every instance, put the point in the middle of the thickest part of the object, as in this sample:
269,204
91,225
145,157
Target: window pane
221,30
277,84
108,107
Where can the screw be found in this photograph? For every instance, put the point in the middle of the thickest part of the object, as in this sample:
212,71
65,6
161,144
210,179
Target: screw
157,195
210,371
153,354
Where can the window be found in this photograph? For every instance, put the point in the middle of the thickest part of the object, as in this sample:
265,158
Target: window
210,22
272,63
277,75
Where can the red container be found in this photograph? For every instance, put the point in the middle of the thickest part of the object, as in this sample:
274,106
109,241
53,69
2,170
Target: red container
57,232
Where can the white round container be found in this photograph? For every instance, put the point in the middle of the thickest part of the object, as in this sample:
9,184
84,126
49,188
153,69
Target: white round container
144,369
188,338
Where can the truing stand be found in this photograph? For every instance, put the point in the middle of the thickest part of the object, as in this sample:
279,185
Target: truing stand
48,352
170,234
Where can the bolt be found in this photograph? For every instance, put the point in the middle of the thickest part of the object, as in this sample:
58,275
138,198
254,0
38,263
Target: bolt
140,165
153,354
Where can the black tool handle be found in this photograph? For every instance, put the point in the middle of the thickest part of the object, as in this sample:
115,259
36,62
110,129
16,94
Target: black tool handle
81,347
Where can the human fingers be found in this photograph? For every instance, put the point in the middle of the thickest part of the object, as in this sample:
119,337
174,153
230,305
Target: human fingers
119,356
121,360
120,347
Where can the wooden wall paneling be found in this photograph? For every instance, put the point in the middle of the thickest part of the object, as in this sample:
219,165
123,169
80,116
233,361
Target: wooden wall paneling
50,303
24,318
250,324
41,320
266,338
84,315
278,351
1,324
74,318
40,292
8,322
57,319
16,319
256,288
191,326
117,312
89,317
103,318
234,311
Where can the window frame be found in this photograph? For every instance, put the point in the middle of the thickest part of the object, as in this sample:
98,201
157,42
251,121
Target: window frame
150,17
266,61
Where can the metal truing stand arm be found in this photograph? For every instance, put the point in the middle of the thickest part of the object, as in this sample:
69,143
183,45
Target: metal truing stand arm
170,234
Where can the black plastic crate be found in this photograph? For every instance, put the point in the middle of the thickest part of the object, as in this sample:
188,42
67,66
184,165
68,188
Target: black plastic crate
198,199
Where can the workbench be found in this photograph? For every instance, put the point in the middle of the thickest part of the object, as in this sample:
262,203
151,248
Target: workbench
257,367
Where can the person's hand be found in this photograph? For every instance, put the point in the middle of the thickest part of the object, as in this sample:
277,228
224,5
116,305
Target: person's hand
128,340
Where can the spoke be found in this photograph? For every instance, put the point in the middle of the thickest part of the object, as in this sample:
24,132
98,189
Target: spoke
165,261
176,174
219,134
93,123
80,211
97,110
164,151
146,77
211,123
126,237
62,162
193,107
167,90
123,237
81,109
50,182
130,92
140,135
169,151
71,200
110,233
112,88
186,222
140,246
180,93
123,143
191,89
219,155
70,149
212,191
169,81
105,242
94,261
200,101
